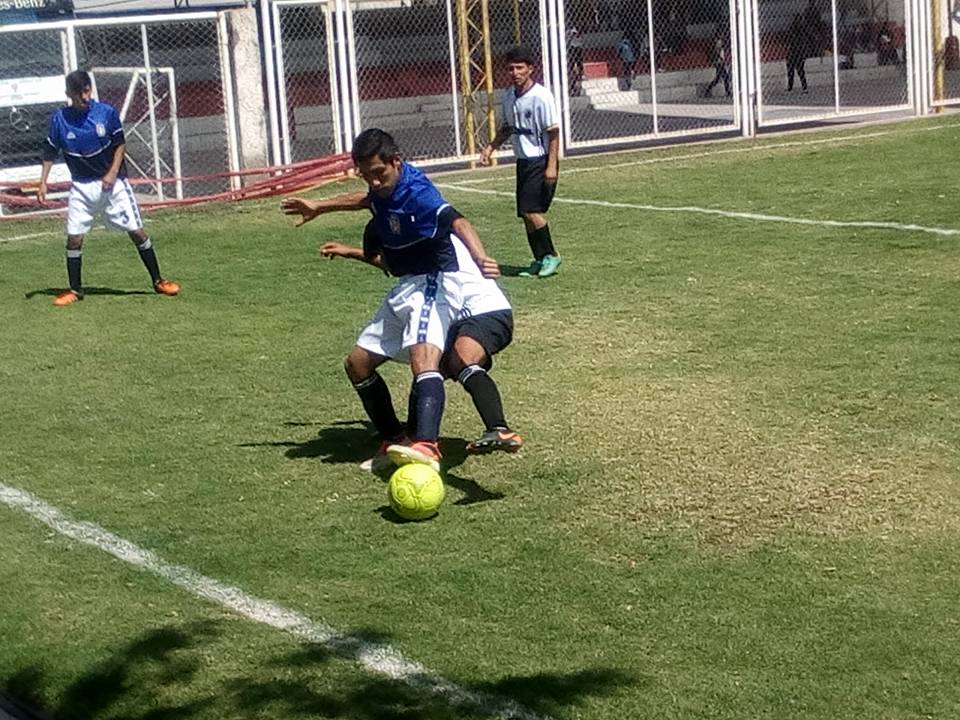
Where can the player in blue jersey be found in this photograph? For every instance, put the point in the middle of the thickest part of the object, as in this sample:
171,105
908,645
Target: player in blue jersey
90,135
418,237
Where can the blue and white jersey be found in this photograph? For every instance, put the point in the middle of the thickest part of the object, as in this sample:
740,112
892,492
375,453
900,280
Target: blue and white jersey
88,139
412,227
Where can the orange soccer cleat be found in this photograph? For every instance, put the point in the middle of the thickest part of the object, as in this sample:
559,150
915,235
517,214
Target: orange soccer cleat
166,287
67,298
424,452
502,439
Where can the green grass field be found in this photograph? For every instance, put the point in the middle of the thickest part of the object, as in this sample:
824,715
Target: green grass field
738,499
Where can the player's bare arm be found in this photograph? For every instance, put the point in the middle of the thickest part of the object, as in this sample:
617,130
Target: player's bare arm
462,228
502,134
42,187
334,249
310,209
552,171
111,175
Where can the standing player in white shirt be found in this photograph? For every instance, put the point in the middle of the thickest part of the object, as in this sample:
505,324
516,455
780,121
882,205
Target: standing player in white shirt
530,115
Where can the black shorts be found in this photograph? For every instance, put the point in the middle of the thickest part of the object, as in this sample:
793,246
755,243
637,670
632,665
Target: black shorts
534,194
493,330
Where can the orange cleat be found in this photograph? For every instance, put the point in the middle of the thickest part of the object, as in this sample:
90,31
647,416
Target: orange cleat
381,462
166,287
424,452
67,298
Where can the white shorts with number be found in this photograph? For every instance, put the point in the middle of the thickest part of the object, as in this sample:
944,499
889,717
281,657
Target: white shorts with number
419,309
88,199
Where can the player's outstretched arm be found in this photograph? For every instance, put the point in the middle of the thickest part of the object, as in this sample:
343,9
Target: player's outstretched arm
309,209
331,250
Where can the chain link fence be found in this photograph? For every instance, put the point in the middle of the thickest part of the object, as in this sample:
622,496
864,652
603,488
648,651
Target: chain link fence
942,24
640,69
620,70
831,57
164,76
309,114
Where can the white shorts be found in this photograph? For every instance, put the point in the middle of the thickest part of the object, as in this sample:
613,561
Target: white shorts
418,310
87,200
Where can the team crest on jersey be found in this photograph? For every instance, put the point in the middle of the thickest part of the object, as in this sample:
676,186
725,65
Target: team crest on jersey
394,222
101,129
528,115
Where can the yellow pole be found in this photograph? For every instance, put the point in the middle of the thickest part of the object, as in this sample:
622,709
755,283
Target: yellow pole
516,22
466,88
488,71
938,54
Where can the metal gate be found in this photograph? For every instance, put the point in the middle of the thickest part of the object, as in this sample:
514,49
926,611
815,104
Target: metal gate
831,58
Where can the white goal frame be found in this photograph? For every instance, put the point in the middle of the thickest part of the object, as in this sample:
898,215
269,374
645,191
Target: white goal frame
142,76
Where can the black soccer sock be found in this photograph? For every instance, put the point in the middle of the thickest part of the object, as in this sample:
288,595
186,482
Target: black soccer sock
74,268
429,401
149,258
485,395
541,244
375,396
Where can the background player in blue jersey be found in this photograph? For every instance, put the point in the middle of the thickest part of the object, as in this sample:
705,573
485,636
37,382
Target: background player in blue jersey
530,118
90,135
413,235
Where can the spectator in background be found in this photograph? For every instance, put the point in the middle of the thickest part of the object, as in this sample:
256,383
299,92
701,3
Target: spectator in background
628,60
798,50
886,50
719,55
574,59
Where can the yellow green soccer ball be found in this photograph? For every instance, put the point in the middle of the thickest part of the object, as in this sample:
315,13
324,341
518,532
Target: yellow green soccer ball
415,491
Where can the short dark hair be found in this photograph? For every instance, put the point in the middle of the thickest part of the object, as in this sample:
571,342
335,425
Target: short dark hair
78,81
520,54
374,142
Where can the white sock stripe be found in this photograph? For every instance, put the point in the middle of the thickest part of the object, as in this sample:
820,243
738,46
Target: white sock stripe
145,245
367,382
375,657
468,372
74,253
429,374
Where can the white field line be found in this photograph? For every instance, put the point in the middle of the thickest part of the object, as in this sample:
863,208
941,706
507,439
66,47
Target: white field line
839,140
15,238
907,227
375,657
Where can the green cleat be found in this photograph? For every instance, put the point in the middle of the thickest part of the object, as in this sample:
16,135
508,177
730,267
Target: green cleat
549,265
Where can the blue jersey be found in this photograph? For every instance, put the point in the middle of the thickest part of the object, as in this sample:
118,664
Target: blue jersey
88,139
413,227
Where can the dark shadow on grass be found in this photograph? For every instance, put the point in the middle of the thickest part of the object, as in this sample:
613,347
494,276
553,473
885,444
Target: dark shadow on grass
146,679
513,270
352,442
86,291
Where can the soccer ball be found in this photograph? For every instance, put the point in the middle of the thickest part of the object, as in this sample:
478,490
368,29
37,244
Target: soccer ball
415,491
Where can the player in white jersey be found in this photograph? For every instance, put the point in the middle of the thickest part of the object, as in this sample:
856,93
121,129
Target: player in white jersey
530,117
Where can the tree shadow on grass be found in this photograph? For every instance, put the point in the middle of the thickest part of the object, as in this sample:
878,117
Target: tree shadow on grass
139,679
86,291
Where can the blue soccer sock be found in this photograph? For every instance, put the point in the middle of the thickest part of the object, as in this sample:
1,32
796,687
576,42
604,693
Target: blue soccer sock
429,400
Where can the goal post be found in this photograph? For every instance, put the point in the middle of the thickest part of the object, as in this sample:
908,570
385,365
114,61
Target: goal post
140,114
